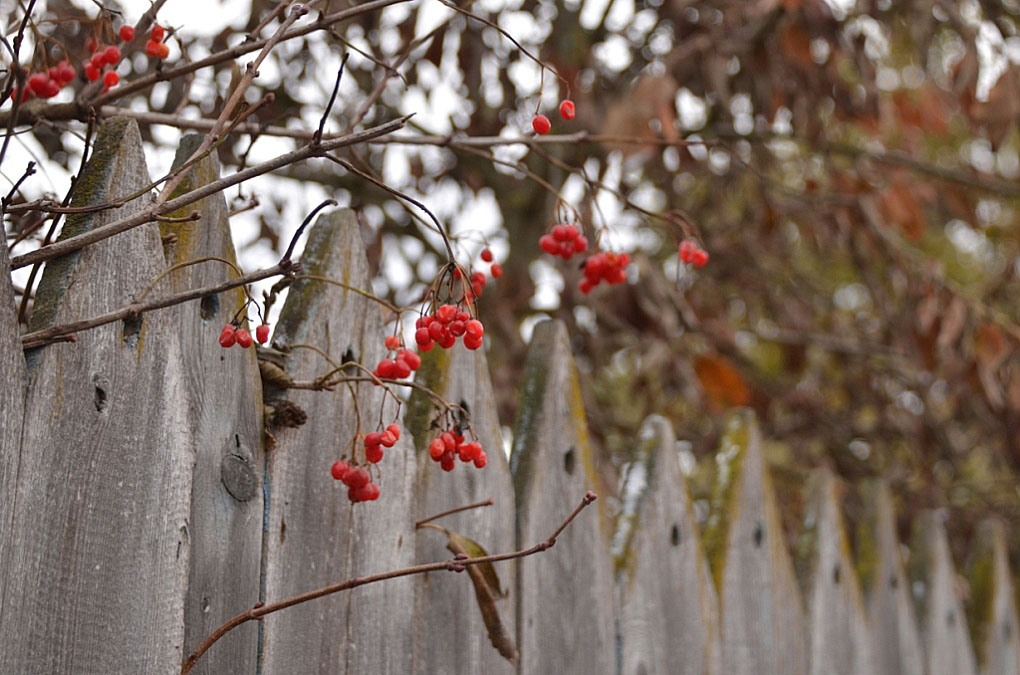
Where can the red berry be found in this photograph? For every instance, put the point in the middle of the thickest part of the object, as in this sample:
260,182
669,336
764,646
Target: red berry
410,358
392,342
111,78
112,55
262,334
541,124
228,336
374,454
37,83
480,461
387,439
548,244
496,270
338,469
153,48
580,244
401,369
158,32
90,44
355,478
99,59
475,329
242,336
567,109
91,72
127,33
394,429
447,463
436,449
422,337
446,313
368,492
373,438
164,51
699,258
472,343
486,255
66,73
50,90
385,368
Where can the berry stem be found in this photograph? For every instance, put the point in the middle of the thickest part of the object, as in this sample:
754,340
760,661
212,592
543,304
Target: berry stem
421,523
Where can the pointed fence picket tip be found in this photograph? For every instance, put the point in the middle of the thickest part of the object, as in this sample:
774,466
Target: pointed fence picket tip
668,610
992,602
560,630
763,627
840,637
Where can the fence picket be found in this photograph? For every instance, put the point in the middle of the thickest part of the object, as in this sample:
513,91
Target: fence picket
560,630
99,560
225,419
12,411
314,535
946,636
840,638
669,614
450,636
763,627
993,613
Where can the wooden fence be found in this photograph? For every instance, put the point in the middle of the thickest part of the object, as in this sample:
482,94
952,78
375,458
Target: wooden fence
141,504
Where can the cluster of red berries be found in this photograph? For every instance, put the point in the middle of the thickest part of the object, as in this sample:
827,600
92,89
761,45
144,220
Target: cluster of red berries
445,325
376,441
450,445
541,123
608,267
154,46
102,57
400,366
691,253
564,241
232,335
48,84
360,487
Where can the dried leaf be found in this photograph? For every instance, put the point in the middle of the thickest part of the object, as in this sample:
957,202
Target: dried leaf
487,590
722,382
274,375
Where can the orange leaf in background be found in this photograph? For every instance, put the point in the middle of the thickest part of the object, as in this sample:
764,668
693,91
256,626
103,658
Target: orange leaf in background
721,381
900,207
795,45
990,346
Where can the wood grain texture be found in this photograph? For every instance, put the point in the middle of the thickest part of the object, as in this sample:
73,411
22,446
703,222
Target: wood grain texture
225,423
946,637
763,627
992,602
450,636
100,552
840,636
896,638
565,606
314,535
669,614
12,410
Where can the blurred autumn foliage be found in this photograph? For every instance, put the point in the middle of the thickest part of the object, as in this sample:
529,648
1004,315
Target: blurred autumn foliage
851,167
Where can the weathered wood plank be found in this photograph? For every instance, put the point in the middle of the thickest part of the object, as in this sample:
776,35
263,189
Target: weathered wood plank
992,603
314,535
565,612
100,553
669,613
763,627
947,641
896,638
450,636
225,421
840,636
12,408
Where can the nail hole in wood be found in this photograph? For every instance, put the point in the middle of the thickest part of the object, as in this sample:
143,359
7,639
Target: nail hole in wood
893,582
759,534
130,330
674,535
209,307
100,397
1007,630
835,573
568,461
950,618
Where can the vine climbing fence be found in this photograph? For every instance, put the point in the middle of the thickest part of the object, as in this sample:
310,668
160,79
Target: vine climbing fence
153,485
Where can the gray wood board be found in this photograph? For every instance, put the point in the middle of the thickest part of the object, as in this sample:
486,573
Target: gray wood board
450,636
100,553
840,636
896,638
12,408
565,605
225,421
315,536
763,626
669,612
946,636
993,602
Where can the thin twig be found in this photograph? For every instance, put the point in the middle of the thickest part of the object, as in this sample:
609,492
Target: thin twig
423,521
260,610
317,136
